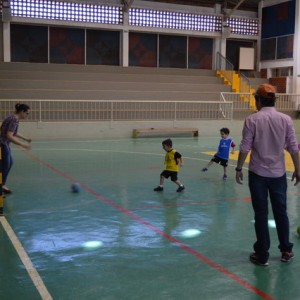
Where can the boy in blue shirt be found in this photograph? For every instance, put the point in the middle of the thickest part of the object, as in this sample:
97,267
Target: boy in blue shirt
222,156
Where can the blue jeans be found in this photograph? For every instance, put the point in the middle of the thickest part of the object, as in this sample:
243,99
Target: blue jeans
260,187
7,161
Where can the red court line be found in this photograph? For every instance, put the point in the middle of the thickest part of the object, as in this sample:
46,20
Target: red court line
206,260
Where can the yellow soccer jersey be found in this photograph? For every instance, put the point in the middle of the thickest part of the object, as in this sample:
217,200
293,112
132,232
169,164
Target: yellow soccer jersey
171,160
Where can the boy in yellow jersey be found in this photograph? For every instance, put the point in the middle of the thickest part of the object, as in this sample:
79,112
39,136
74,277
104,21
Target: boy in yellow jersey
172,161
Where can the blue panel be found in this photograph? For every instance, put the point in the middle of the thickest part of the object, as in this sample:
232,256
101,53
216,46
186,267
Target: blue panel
285,47
29,43
67,45
278,20
102,47
200,53
268,49
142,49
172,51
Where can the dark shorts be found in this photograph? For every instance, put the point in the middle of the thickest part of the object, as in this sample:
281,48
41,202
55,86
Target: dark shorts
168,174
221,161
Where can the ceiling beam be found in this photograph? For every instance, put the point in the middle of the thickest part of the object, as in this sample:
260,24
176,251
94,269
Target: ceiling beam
227,15
127,4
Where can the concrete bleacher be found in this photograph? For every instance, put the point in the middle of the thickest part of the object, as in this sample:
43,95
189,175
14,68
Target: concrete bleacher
255,82
80,82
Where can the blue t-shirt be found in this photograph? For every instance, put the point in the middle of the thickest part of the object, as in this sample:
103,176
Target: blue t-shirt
224,148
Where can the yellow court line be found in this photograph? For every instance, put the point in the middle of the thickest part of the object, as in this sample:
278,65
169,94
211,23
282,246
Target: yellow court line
34,275
288,160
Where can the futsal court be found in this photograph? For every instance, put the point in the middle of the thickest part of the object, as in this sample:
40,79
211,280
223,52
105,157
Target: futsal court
117,239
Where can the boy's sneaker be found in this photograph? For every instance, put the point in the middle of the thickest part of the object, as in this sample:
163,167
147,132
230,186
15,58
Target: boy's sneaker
158,189
204,170
257,261
180,189
287,256
224,177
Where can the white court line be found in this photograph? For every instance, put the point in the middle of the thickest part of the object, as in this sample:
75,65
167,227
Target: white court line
131,152
124,152
34,275
112,151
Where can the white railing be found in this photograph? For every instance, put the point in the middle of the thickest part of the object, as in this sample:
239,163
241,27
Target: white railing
287,102
240,101
126,110
93,110
245,101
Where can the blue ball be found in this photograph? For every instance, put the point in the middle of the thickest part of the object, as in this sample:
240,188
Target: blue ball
75,187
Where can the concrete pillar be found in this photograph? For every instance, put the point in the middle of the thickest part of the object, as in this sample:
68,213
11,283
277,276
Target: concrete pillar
296,51
125,41
6,42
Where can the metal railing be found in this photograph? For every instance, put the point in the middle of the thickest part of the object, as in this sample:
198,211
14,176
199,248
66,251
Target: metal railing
222,63
245,101
287,102
225,67
240,101
244,84
126,110
109,110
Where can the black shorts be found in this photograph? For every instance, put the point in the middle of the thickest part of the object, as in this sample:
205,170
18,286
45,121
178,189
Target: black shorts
168,174
221,161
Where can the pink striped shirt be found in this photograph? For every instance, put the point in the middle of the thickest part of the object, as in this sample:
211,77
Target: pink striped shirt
267,133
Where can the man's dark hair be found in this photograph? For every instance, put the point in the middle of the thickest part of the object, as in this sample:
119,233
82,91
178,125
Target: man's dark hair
270,101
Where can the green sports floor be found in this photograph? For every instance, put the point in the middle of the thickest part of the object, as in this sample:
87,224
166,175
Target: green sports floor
117,239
